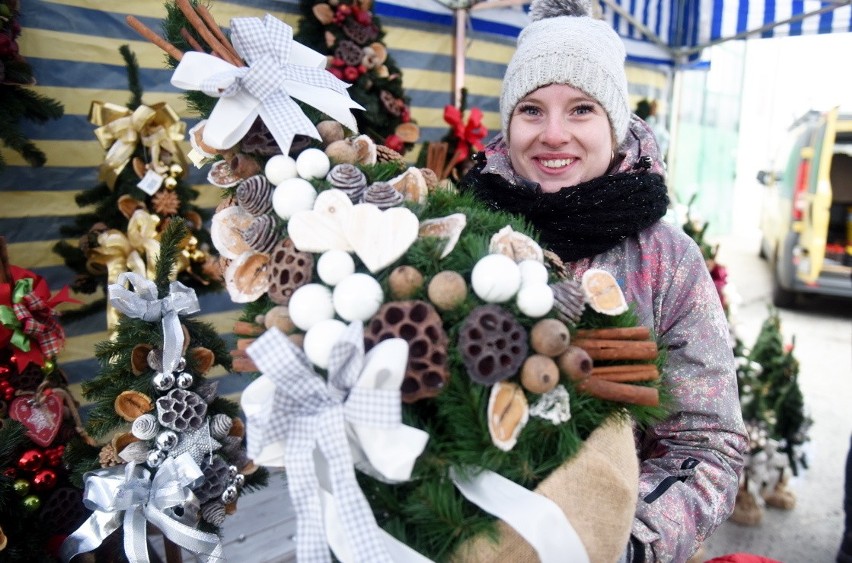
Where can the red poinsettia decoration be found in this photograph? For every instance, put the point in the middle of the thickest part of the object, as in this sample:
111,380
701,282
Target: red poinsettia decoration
468,134
27,319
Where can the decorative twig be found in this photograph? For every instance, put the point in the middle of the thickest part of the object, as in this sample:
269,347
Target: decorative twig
187,36
452,163
199,26
217,31
436,158
152,37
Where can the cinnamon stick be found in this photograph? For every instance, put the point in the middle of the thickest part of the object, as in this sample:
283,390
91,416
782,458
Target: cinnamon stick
436,158
243,343
606,349
152,37
620,392
187,36
451,164
625,333
208,19
202,29
5,271
245,328
240,361
627,373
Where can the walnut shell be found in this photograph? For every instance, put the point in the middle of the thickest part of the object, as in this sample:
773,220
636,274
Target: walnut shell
418,323
203,359
139,358
493,344
131,404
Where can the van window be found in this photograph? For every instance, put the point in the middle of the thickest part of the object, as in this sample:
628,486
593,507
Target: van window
792,151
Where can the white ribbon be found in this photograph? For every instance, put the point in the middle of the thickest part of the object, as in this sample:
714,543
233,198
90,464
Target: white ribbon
144,304
278,69
128,497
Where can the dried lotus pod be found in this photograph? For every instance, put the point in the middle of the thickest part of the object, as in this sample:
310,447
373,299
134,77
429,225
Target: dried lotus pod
515,245
349,179
419,324
202,359
139,358
492,343
181,410
387,154
255,195
130,405
349,52
289,269
568,300
603,293
262,234
382,195
63,511
213,512
215,480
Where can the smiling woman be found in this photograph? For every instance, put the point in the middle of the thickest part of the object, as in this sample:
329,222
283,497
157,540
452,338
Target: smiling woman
588,176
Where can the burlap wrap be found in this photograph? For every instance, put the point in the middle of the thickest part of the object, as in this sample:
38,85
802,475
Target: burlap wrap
597,489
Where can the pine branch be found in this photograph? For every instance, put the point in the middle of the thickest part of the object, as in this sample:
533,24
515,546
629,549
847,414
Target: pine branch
133,83
170,245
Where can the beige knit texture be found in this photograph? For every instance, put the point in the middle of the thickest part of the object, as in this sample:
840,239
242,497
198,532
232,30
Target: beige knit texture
582,52
596,489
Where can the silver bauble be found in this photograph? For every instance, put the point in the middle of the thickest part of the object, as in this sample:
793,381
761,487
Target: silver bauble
156,458
184,380
166,440
230,494
163,381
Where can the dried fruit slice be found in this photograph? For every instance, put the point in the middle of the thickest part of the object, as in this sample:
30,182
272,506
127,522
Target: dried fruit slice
508,413
602,292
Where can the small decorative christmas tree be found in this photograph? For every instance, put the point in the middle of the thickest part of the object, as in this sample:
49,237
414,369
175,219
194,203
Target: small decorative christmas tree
351,36
142,190
38,416
170,430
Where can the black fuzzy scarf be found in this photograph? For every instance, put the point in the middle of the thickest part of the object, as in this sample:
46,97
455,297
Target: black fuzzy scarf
583,220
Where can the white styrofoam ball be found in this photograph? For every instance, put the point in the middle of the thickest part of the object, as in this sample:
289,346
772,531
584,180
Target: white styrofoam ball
495,278
312,163
334,265
532,271
535,300
293,195
357,297
319,340
310,304
279,168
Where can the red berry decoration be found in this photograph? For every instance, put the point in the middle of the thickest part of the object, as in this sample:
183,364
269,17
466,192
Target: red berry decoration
31,460
350,74
44,480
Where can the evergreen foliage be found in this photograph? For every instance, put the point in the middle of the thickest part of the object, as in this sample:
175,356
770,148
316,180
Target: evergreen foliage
17,102
107,207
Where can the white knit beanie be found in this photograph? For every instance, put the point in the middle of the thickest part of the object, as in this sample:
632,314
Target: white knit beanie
565,45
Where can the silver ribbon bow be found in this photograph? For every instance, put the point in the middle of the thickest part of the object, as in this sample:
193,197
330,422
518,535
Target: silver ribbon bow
310,414
144,304
128,497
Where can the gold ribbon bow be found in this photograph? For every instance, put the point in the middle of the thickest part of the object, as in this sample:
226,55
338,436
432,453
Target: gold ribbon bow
120,130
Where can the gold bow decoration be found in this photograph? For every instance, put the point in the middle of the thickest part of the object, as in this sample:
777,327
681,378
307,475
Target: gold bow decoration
120,130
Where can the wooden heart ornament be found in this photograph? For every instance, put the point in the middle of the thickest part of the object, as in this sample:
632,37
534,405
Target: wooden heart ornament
379,237
42,419
321,228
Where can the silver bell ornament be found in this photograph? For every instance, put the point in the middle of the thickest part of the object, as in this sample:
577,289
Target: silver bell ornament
163,381
184,380
167,440
230,494
156,458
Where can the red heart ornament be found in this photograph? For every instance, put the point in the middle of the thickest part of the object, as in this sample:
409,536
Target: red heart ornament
42,419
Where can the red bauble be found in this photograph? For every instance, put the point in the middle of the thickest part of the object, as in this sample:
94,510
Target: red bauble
44,480
350,74
31,460
10,472
336,72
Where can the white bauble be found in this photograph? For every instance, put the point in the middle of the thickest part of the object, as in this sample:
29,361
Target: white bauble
334,265
293,195
279,168
312,163
320,339
495,278
357,297
532,271
535,299
309,305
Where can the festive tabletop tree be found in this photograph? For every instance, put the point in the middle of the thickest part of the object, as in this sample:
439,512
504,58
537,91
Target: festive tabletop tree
38,416
142,189
17,101
173,441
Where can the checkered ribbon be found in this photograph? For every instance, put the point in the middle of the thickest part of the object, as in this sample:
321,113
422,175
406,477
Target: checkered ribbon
31,316
144,304
278,69
309,414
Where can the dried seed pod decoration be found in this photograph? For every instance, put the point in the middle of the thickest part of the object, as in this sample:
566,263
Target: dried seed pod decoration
508,413
139,358
255,195
382,195
493,344
349,179
568,300
262,234
290,269
603,293
130,405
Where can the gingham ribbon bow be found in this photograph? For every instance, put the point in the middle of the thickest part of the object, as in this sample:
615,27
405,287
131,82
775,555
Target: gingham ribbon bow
307,413
278,69
127,496
144,304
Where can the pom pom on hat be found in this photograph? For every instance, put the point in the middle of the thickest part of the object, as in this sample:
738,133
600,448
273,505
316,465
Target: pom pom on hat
564,45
